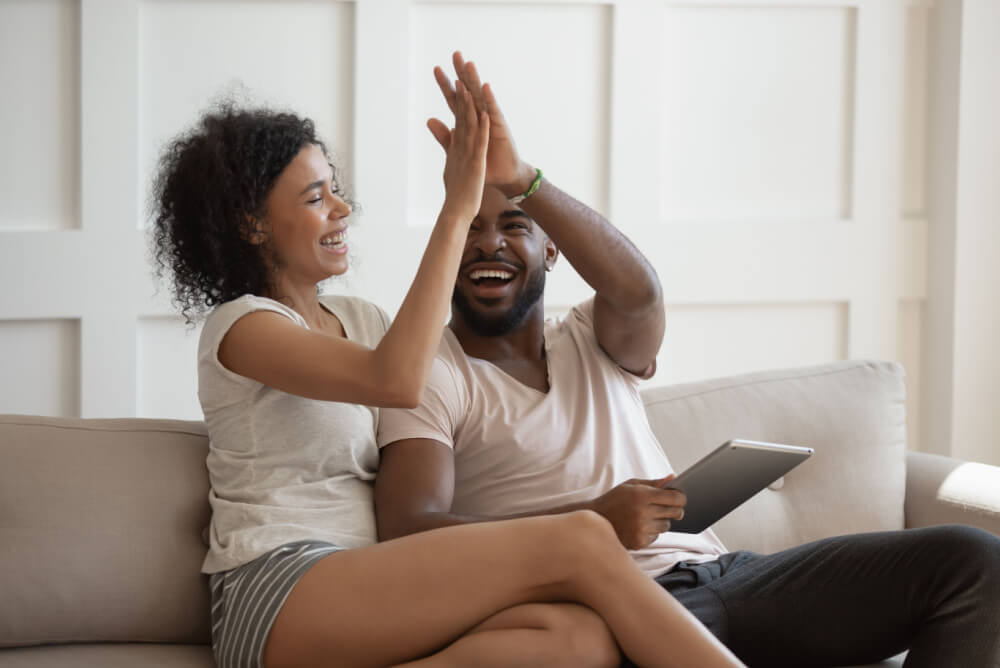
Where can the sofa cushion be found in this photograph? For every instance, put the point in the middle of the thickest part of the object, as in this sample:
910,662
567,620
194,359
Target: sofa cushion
100,524
130,655
852,413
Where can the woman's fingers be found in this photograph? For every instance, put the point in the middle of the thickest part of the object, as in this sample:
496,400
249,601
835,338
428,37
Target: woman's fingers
444,83
470,138
483,140
465,117
440,131
469,126
470,77
458,62
461,107
466,71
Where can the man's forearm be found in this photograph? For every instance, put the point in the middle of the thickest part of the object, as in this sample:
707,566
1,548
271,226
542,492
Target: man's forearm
600,253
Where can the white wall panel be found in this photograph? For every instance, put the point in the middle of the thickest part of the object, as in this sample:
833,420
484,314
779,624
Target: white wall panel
40,367
757,112
167,369
549,66
40,84
296,55
977,236
911,314
705,341
764,113
915,111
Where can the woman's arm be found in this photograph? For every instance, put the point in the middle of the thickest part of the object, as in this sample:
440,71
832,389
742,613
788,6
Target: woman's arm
273,350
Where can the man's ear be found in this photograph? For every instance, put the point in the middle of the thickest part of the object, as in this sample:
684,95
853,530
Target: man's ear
253,230
551,254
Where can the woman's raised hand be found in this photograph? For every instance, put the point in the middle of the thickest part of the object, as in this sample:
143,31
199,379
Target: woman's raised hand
465,166
504,167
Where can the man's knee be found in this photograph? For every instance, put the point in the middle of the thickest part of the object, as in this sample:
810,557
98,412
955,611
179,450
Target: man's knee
966,540
976,552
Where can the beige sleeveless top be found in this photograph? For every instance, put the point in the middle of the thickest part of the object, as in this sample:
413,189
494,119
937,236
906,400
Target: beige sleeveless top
283,467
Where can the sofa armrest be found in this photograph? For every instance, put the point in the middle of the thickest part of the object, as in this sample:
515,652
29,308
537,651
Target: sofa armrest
942,490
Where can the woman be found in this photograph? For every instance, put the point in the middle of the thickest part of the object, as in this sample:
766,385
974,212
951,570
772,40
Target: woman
249,220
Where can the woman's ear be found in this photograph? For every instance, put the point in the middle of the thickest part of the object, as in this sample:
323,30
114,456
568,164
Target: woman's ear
253,230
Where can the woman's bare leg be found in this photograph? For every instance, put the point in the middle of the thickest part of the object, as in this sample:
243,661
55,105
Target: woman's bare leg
532,635
409,598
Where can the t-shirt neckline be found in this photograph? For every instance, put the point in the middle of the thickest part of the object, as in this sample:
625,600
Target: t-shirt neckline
512,379
325,305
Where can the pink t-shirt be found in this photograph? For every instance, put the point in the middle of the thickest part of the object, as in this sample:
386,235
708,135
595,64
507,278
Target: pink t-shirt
519,450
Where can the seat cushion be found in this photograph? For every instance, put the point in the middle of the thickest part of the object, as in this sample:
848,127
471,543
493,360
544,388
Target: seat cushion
108,656
100,531
852,413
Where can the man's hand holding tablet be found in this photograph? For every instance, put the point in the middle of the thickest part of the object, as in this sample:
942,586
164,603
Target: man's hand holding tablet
729,475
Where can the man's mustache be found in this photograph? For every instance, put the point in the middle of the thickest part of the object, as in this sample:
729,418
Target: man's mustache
496,258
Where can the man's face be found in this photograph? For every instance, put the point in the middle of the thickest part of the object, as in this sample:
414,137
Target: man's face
502,275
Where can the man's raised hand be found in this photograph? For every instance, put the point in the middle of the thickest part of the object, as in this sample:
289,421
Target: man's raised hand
504,167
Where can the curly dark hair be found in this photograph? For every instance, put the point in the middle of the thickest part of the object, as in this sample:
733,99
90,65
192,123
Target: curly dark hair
209,181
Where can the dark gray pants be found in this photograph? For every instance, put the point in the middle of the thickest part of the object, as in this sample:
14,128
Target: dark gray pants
855,599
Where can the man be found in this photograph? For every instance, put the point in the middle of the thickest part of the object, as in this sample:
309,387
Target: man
524,417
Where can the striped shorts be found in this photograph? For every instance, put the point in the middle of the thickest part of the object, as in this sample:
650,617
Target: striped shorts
246,600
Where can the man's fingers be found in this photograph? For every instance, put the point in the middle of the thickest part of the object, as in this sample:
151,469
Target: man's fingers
472,78
491,104
444,83
490,98
665,513
440,131
655,482
667,497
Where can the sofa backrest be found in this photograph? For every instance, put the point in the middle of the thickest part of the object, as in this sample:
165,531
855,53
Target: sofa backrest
101,520
852,413
100,531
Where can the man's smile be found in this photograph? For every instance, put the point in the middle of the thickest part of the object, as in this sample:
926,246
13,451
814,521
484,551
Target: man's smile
490,280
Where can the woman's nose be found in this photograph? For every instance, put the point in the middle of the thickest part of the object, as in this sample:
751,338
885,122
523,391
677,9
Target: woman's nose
340,208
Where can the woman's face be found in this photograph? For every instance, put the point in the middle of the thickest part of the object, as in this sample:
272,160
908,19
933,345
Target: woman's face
306,221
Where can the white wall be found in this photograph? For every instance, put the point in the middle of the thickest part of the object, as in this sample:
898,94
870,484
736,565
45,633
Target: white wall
963,310
771,159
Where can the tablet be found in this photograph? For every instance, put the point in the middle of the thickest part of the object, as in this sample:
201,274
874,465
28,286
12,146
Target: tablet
729,475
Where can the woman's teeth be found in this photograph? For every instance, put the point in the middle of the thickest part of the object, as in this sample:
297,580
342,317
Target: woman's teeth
334,240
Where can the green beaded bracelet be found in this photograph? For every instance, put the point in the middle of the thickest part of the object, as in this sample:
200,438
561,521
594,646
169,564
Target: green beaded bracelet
517,199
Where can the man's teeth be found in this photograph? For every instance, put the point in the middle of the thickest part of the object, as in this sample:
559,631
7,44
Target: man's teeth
490,273
334,239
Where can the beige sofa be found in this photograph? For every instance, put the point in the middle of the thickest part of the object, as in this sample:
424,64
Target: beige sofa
101,520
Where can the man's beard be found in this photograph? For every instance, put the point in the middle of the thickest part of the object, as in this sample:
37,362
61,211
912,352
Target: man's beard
509,320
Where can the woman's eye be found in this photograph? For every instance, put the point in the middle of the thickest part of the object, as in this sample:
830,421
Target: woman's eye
315,201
